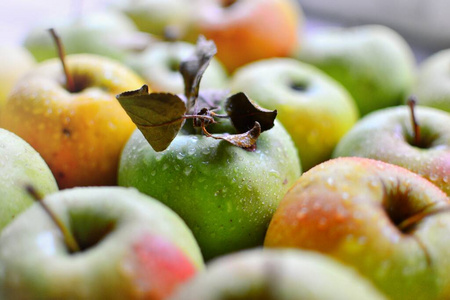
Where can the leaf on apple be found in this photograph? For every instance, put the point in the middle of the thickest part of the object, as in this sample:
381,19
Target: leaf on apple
246,140
244,113
159,116
192,69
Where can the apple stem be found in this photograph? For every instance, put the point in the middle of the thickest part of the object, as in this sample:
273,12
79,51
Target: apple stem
69,239
70,85
416,128
411,221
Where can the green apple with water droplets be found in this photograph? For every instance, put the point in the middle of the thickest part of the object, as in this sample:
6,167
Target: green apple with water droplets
315,109
130,246
388,135
225,194
20,165
389,223
277,275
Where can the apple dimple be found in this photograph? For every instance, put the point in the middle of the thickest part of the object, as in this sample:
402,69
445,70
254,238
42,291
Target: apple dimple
299,86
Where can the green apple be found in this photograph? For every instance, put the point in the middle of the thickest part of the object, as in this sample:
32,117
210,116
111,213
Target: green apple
130,247
315,109
225,194
79,131
432,86
95,32
20,165
388,135
15,61
159,65
277,275
373,62
160,18
389,223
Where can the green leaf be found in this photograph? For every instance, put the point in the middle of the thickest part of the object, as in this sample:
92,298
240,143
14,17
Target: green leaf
192,69
244,113
159,116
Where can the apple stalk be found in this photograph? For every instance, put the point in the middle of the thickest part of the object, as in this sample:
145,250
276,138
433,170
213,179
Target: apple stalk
70,85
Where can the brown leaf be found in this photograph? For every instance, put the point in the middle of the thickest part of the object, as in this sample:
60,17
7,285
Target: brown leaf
159,116
246,140
192,69
244,113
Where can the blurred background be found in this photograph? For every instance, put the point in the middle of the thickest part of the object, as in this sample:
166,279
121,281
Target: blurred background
424,24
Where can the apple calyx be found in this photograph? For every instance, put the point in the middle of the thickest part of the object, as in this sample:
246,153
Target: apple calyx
160,116
70,84
415,125
69,239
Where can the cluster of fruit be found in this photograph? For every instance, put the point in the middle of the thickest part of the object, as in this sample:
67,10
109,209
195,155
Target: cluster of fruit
148,167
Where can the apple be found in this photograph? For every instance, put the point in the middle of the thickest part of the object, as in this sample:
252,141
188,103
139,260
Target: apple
388,135
15,60
168,18
373,62
248,30
277,274
130,247
79,133
225,194
159,65
315,109
20,165
432,86
389,223
101,33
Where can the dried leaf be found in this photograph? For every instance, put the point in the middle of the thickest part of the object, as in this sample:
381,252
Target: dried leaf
192,69
244,113
159,116
246,140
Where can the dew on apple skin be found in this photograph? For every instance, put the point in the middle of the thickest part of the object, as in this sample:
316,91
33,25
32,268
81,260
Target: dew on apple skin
180,155
330,181
165,167
187,170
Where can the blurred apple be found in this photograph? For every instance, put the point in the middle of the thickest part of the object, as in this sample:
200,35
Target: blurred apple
103,33
315,109
15,60
388,135
160,18
248,30
130,247
79,133
20,165
159,65
373,62
277,274
432,87
389,223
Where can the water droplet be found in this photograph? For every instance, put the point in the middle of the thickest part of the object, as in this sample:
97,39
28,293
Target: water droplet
330,181
180,155
187,170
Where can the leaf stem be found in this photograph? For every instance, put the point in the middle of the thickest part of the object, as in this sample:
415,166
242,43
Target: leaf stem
70,85
69,239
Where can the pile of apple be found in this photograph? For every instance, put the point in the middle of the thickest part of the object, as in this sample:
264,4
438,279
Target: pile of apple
210,149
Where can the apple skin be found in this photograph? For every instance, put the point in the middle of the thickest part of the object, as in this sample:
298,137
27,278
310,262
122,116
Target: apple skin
20,165
159,64
225,194
80,135
93,32
373,62
15,61
432,87
156,16
133,247
350,208
286,274
387,135
315,109
249,30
